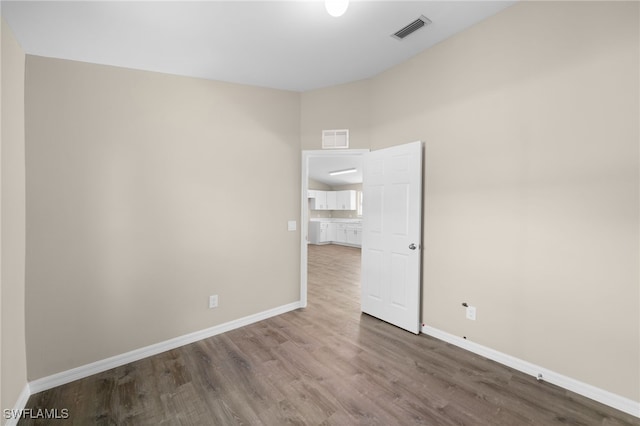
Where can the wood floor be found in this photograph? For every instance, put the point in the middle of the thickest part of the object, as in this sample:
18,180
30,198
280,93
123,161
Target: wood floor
323,365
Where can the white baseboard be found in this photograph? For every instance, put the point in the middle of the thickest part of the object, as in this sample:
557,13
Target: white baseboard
14,415
605,397
87,370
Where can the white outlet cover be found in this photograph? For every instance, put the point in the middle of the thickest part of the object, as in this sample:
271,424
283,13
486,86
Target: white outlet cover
471,313
292,225
213,301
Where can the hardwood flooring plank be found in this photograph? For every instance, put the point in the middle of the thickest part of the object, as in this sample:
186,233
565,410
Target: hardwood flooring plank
326,364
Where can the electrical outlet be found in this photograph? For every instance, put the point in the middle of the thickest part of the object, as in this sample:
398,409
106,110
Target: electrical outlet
471,313
213,301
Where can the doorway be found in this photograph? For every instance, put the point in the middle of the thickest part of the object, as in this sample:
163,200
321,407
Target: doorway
330,160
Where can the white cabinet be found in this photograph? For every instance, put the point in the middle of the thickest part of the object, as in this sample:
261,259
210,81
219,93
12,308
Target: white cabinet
331,232
314,232
346,200
341,233
319,202
354,234
319,232
332,200
325,231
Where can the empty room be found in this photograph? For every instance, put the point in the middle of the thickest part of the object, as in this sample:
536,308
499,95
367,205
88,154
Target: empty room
310,212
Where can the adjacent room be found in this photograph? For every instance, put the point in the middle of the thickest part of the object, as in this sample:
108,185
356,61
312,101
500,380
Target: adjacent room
192,193
334,212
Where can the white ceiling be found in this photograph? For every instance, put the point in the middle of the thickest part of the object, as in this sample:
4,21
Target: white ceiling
292,45
319,168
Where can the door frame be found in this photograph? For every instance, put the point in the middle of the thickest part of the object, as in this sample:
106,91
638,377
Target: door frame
304,208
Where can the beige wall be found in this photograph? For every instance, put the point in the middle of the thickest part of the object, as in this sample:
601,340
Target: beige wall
531,208
530,121
354,186
340,107
314,184
146,193
13,364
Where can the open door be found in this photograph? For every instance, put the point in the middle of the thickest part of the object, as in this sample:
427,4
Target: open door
392,235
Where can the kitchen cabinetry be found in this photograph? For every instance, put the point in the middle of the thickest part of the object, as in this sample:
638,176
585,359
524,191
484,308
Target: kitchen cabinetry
325,231
331,231
318,232
319,201
332,200
346,200
341,233
354,234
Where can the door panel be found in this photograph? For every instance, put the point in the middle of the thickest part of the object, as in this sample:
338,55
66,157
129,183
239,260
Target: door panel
399,264
392,225
399,195
374,289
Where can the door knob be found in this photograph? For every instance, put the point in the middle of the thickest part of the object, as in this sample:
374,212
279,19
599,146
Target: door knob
412,246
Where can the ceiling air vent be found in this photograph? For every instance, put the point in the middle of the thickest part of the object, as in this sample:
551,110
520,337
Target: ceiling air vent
422,21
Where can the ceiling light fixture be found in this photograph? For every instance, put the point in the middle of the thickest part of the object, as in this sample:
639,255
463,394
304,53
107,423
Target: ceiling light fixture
342,172
336,8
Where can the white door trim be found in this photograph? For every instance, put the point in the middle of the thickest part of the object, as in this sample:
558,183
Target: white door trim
304,213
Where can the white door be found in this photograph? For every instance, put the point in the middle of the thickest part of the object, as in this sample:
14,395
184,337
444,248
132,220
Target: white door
392,234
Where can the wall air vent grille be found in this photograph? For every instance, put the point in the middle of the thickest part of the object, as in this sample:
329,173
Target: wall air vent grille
335,139
422,21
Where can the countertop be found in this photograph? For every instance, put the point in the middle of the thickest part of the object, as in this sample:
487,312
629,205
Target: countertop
335,220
